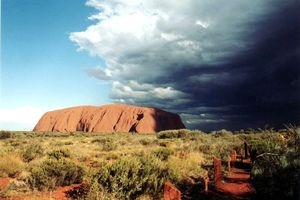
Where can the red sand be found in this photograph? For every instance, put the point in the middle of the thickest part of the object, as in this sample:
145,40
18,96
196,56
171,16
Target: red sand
237,184
59,194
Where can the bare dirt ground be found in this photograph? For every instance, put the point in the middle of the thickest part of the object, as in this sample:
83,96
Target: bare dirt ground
59,194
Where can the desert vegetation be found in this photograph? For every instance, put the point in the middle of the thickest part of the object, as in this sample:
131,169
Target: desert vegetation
134,166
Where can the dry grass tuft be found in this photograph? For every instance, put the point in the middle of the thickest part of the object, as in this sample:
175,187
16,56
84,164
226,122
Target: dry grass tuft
11,165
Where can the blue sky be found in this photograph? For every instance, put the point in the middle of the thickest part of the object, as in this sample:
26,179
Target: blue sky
40,67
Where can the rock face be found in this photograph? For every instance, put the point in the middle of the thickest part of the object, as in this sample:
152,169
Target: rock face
109,118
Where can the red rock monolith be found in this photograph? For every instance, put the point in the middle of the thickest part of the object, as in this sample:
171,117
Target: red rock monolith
109,118
171,192
217,171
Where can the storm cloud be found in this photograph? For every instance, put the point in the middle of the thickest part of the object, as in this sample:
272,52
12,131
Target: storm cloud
232,64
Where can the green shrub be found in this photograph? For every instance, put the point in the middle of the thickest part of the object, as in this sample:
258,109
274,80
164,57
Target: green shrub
276,171
101,140
205,148
5,135
123,142
222,133
17,142
107,143
163,143
217,147
181,133
163,153
131,177
68,143
55,172
187,166
111,156
109,146
294,138
32,151
145,141
276,177
267,144
60,153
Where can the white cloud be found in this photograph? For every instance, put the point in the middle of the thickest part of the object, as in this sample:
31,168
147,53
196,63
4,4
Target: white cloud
170,36
202,24
99,73
161,53
21,118
148,38
201,119
134,90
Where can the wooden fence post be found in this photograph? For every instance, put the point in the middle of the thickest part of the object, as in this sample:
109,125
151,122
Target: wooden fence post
233,157
206,181
217,171
229,163
171,192
246,150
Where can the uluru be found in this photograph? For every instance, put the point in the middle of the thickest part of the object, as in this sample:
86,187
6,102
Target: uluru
109,118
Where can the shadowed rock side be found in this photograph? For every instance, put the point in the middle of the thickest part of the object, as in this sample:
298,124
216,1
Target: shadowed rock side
110,118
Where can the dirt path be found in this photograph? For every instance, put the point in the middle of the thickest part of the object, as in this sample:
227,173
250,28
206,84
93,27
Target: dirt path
237,182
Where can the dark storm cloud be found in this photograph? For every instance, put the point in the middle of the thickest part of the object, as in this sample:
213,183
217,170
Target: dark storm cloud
262,83
233,66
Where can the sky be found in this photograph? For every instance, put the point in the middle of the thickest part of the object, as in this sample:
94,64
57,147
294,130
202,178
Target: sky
232,65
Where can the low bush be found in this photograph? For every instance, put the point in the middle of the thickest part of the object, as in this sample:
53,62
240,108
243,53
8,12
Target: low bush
294,138
60,153
89,192
111,156
163,143
52,173
163,153
181,133
276,177
32,151
186,167
107,143
216,148
17,142
267,144
11,165
145,141
222,133
131,177
5,135
276,170
109,146
68,143
101,140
